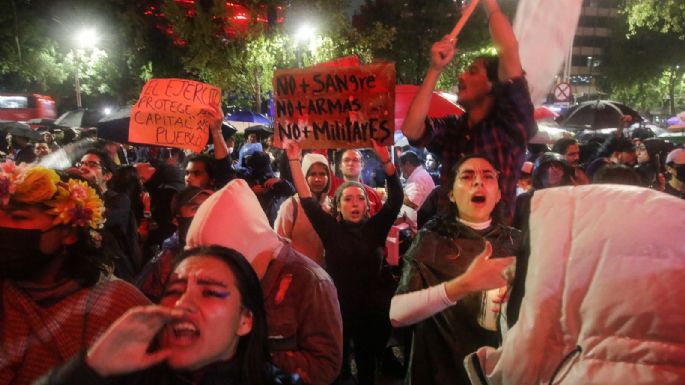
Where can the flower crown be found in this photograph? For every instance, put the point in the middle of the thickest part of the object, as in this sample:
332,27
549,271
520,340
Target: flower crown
73,203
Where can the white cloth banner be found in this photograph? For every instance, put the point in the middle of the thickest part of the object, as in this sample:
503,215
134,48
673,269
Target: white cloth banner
545,30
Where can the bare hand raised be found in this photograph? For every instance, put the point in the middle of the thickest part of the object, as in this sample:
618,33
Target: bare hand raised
123,347
292,149
381,151
442,53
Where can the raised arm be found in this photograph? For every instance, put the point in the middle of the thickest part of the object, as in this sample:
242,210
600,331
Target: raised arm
294,153
414,124
220,146
505,41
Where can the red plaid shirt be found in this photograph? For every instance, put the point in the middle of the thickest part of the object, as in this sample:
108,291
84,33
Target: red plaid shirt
34,338
502,136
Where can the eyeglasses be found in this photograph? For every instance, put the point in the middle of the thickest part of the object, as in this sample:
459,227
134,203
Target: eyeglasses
89,163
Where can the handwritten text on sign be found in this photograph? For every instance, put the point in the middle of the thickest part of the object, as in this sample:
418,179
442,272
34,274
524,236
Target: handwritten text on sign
335,107
175,113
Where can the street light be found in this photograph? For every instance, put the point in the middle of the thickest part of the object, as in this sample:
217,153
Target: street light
304,35
85,38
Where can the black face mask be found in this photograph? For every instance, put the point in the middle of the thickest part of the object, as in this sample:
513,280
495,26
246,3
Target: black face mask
680,172
20,255
183,226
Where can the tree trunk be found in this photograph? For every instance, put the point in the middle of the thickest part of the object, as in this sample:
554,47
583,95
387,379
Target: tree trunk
671,91
16,32
258,97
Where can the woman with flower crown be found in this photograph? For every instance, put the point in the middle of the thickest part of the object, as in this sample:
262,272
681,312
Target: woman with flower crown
56,289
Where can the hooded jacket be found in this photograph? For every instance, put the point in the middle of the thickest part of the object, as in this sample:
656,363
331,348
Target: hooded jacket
302,310
293,223
602,290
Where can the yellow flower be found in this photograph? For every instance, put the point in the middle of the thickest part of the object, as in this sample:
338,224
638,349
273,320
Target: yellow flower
78,205
36,185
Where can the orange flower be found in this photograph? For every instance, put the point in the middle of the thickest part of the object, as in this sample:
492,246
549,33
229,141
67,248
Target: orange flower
36,184
78,205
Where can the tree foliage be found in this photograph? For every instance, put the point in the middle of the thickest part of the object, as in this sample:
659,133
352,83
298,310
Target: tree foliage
418,24
665,16
644,67
243,64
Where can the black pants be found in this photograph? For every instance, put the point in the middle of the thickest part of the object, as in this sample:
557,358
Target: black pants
367,333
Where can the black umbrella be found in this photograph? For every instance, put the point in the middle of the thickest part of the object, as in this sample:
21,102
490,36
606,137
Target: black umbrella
114,126
79,118
598,114
227,130
261,131
19,129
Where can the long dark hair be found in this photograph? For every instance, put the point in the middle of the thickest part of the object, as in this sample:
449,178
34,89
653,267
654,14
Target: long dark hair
252,349
452,211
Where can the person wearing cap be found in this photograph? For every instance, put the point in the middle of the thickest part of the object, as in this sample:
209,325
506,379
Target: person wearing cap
57,294
675,167
269,188
154,275
302,309
293,223
499,112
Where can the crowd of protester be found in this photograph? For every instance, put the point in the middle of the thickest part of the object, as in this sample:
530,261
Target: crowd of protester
250,264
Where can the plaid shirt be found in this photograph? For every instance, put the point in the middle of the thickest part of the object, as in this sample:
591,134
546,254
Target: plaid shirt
502,136
35,337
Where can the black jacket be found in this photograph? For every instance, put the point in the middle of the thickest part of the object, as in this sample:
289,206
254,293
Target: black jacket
75,371
354,251
442,250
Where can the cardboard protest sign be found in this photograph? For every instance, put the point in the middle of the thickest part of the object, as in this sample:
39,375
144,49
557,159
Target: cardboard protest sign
175,113
335,107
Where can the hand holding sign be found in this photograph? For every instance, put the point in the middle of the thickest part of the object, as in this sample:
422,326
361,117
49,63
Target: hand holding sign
175,113
292,149
381,151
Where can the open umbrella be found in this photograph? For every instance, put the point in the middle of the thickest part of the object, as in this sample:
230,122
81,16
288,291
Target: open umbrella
544,112
227,130
248,116
114,126
676,123
261,131
440,106
598,114
19,129
549,132
82,117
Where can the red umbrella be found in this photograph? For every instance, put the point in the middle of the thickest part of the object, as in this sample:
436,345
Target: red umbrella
544,112
439,107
